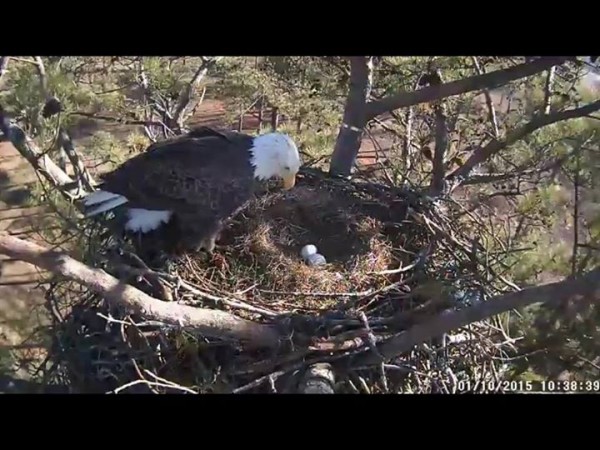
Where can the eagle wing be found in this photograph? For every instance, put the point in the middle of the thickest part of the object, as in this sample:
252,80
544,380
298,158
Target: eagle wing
200,174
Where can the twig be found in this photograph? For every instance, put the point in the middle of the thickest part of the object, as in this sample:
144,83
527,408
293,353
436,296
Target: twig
152,383
548,90
319,294
81,173
234,303
488,100
371,339
3,65
395,271
576,213
272,376
166,382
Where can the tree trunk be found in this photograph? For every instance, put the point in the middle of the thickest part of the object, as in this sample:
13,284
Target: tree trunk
349,137
441,146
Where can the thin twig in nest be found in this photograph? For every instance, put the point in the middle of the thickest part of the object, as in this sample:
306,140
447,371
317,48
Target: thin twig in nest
152,383
395,271
318,294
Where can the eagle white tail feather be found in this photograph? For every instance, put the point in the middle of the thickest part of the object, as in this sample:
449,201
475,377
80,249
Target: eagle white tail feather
139,219
145,220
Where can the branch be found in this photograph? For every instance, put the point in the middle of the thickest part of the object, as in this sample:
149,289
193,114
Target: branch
38,160
3,65
548,90
185,96
490,80
481,154
586,288
213,323
39,65
576,185
81,172
488,100
441,145
521,171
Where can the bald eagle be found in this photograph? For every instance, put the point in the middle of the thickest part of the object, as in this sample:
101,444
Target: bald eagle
196,182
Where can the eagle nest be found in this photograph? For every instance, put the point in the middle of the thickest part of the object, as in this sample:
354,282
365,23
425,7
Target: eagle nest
393,261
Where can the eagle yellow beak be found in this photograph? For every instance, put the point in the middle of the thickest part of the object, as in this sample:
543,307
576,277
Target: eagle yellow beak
289,181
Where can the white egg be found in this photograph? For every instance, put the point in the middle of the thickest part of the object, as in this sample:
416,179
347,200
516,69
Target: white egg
308,250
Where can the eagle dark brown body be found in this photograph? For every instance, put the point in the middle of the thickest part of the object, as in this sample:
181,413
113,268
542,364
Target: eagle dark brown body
189,186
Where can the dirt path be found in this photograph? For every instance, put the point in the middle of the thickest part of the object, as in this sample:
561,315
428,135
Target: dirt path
19,298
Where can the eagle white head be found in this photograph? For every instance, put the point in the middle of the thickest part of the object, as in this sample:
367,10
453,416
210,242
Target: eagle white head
275,155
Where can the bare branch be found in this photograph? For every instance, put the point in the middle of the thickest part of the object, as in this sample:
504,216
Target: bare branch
583,289
81,173
481,154
213,323
185,96
486,81
576,186
441,146
3,65
548,89
441,143
518,172
38,160
488,100
39,65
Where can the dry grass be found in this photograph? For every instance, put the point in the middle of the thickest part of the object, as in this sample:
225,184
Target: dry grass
262,246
